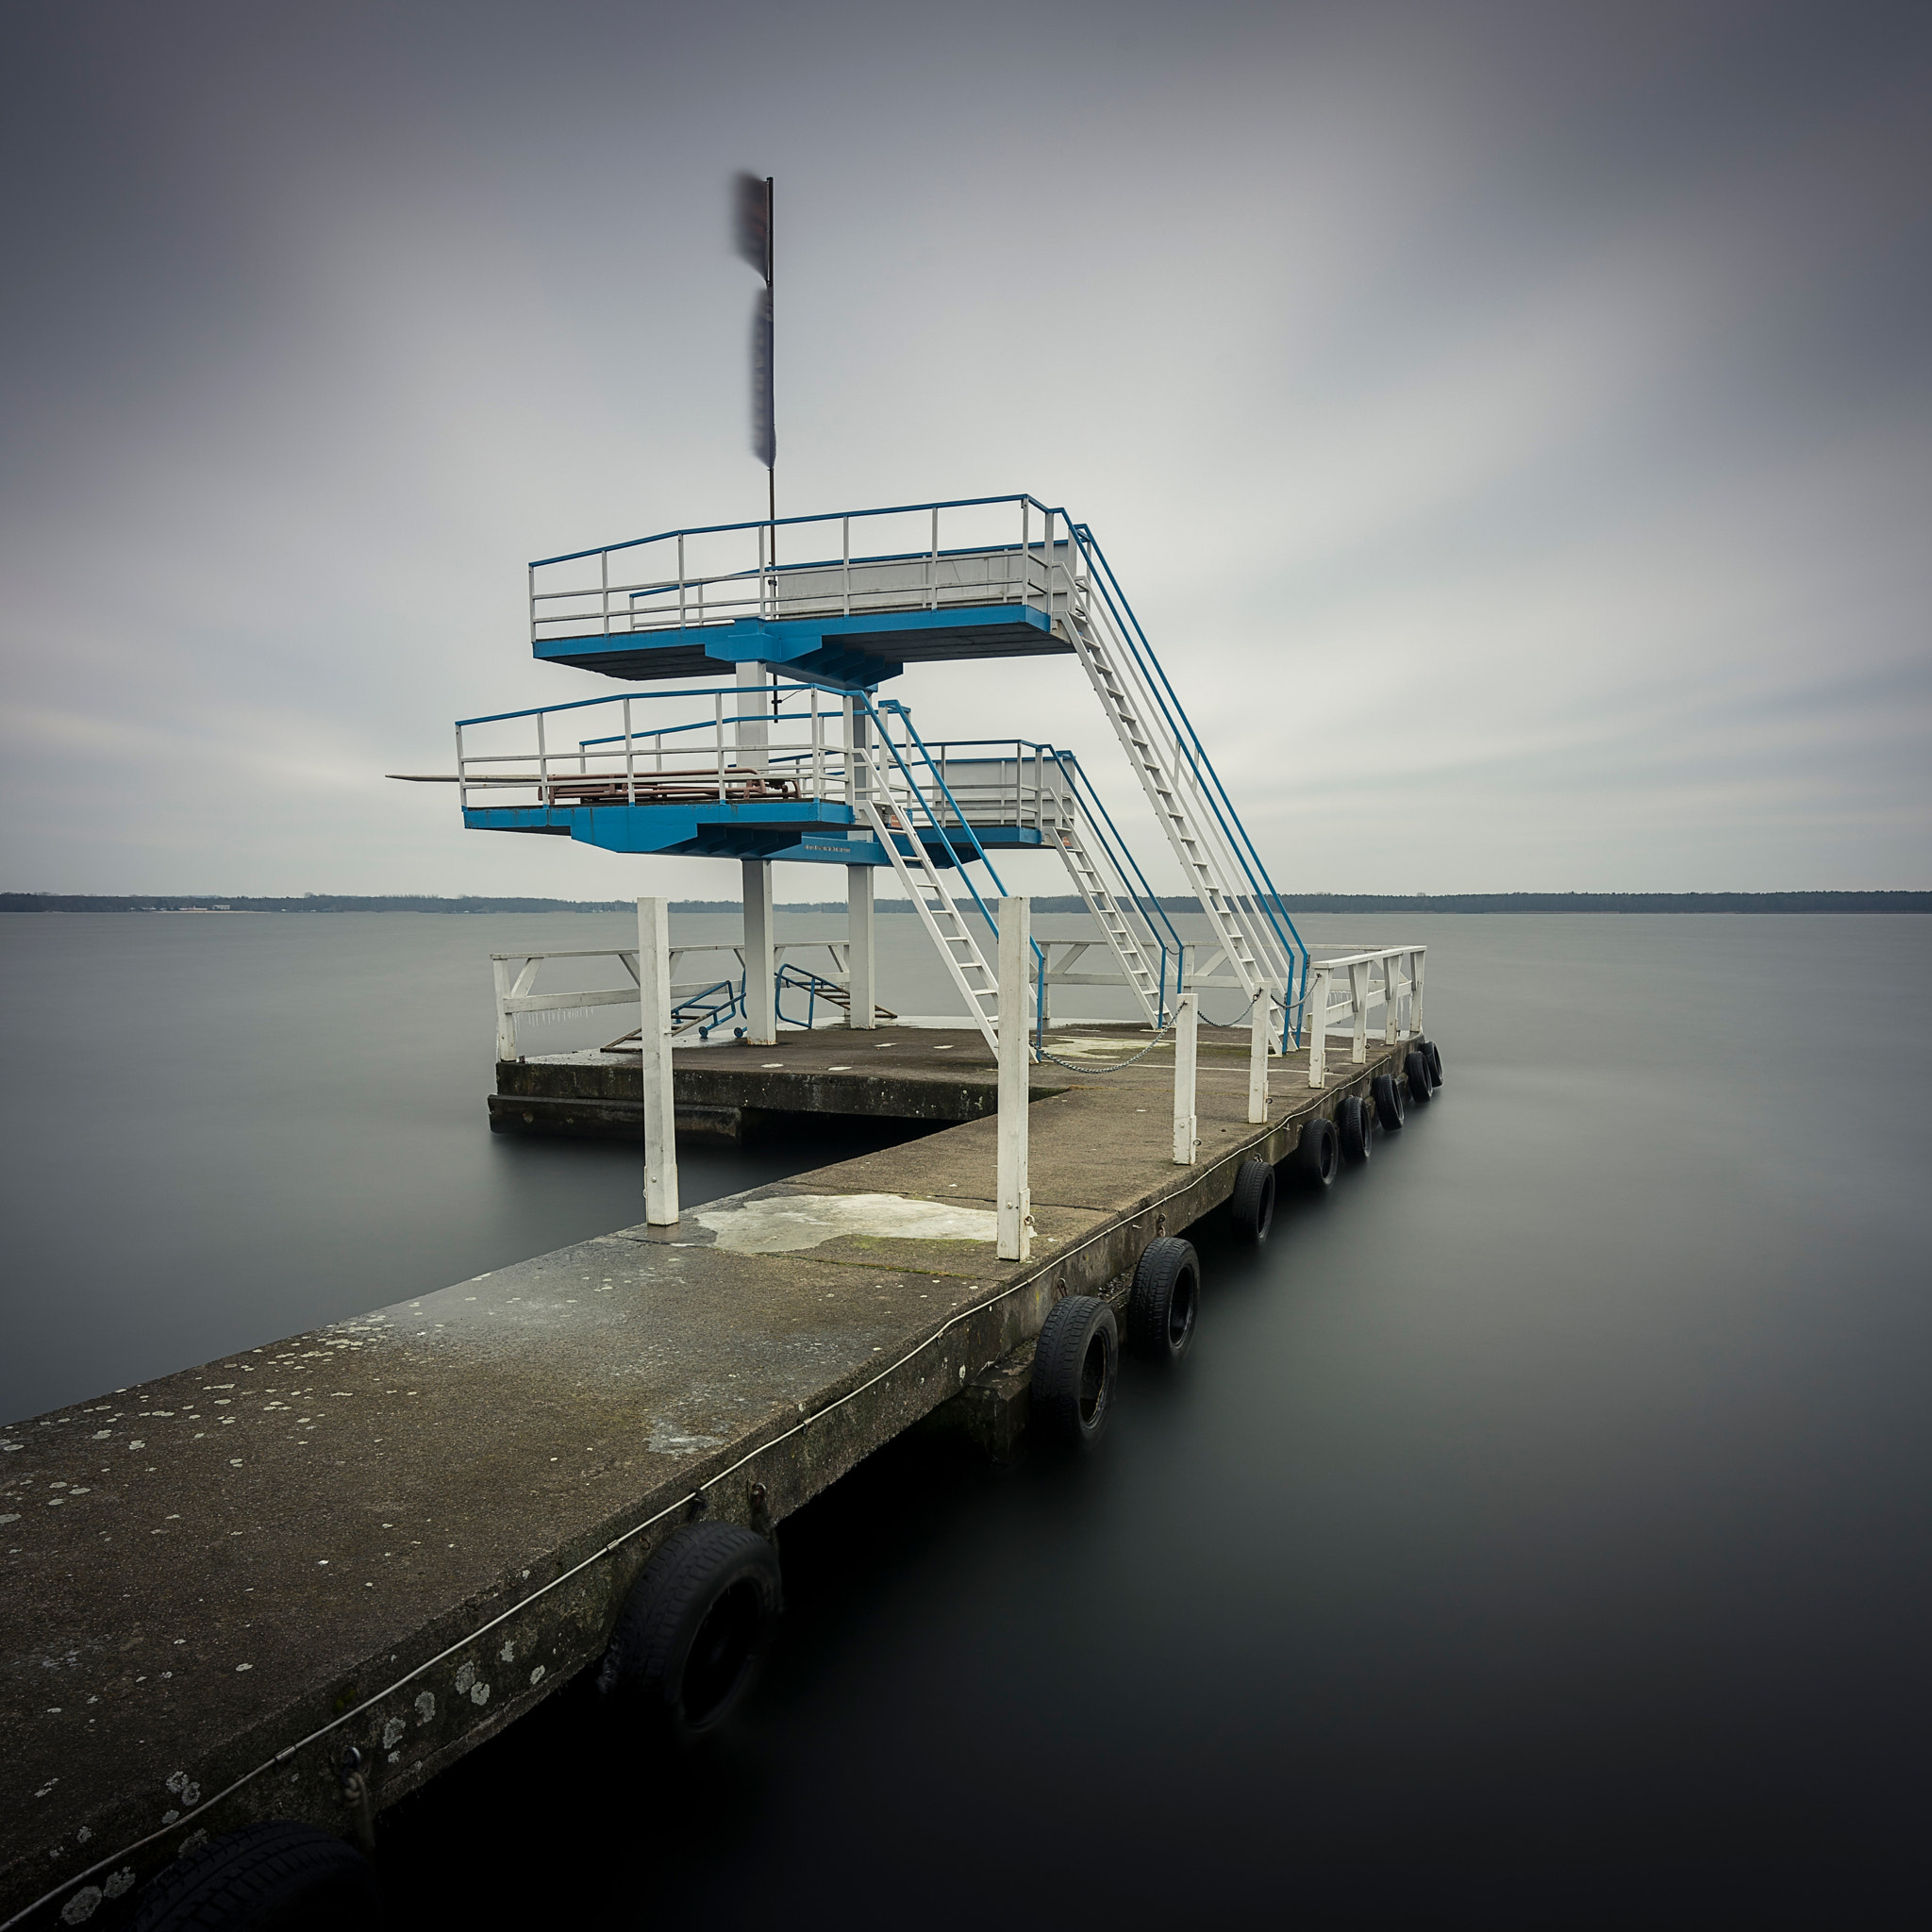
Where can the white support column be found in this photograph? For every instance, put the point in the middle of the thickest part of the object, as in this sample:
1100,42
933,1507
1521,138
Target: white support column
1359,1001
1258,1026
1391,999
506,1020
861,972
753,735
1315,1023
761,960
653,1036
1187,1017
1013,1195
1408,1026
1415,980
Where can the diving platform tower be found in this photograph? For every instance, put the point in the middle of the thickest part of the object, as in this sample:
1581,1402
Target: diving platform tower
772,744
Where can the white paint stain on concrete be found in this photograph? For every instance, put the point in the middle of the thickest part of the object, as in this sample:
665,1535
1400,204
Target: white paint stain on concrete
781,1224
667,1439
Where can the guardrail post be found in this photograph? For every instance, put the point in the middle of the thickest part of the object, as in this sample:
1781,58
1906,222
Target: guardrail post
1391,1000
1260,1025
1011,1191
1415,982
1185,1025
1358,1002
506,1020
1315,1013
654,1037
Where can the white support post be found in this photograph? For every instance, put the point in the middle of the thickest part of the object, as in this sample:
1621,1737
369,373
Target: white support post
1358,1002
1391,1000
1260,1025
1408,1028
1315,1023
653,1036
760,962
861,972
1186,1023
1415,981
1014,1196
506,1020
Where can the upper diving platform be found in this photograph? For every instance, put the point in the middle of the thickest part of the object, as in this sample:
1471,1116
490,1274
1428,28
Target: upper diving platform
846,600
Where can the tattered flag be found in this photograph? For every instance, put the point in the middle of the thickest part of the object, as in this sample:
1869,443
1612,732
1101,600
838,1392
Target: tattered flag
764,424
752,203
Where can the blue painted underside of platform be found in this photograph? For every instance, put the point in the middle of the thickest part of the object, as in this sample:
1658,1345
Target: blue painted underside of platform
846,653
793,834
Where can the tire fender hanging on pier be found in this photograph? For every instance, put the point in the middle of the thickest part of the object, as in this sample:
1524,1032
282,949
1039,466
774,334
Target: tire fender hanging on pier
1166,1294
695,1628
1076,1364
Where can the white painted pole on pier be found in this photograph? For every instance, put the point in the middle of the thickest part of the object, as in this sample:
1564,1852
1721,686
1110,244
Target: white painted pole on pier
1187,1018
653,1036
1014,1196
506,1020
1260,1022
1315,1024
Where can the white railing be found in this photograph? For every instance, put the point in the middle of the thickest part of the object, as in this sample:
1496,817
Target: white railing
921,557
516,975
1389,977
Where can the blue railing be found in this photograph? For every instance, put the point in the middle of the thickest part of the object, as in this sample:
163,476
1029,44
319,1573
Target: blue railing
1260,887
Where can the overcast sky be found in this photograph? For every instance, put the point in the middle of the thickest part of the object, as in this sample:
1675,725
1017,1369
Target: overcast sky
1512,423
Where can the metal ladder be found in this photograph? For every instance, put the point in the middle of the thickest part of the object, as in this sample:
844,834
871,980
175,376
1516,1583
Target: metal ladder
945,924
1101,902
1257,961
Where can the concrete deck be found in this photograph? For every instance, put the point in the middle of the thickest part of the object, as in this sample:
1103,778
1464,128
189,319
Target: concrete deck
399,1532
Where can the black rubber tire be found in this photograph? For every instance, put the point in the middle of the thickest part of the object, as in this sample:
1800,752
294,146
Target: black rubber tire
695,1628
1389,1107
1166,1294
284,1877
1318,1153
1433,1054
1356,1121
1417,1070
1253,1204
1076,1367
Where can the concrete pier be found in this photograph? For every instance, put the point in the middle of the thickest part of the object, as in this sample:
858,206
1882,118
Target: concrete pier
399,1532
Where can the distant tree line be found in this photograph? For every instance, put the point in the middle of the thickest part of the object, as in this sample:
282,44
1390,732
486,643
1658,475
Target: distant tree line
1295,902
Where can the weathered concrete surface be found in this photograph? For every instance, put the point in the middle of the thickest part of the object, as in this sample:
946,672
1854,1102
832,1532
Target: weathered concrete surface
400,1531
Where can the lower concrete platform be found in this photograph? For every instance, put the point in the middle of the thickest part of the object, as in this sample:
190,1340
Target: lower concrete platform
919,1078
399,1532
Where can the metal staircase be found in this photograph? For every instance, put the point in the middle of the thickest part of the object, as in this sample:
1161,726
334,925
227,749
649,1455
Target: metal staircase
945,925
1090,882
1170,761
891,799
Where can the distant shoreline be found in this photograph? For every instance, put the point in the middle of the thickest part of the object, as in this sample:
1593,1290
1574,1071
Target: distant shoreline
1297,903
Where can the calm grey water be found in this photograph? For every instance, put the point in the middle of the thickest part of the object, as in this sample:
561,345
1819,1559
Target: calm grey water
1537,1534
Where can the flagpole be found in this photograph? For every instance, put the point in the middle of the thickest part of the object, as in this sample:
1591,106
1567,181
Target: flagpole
771,294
